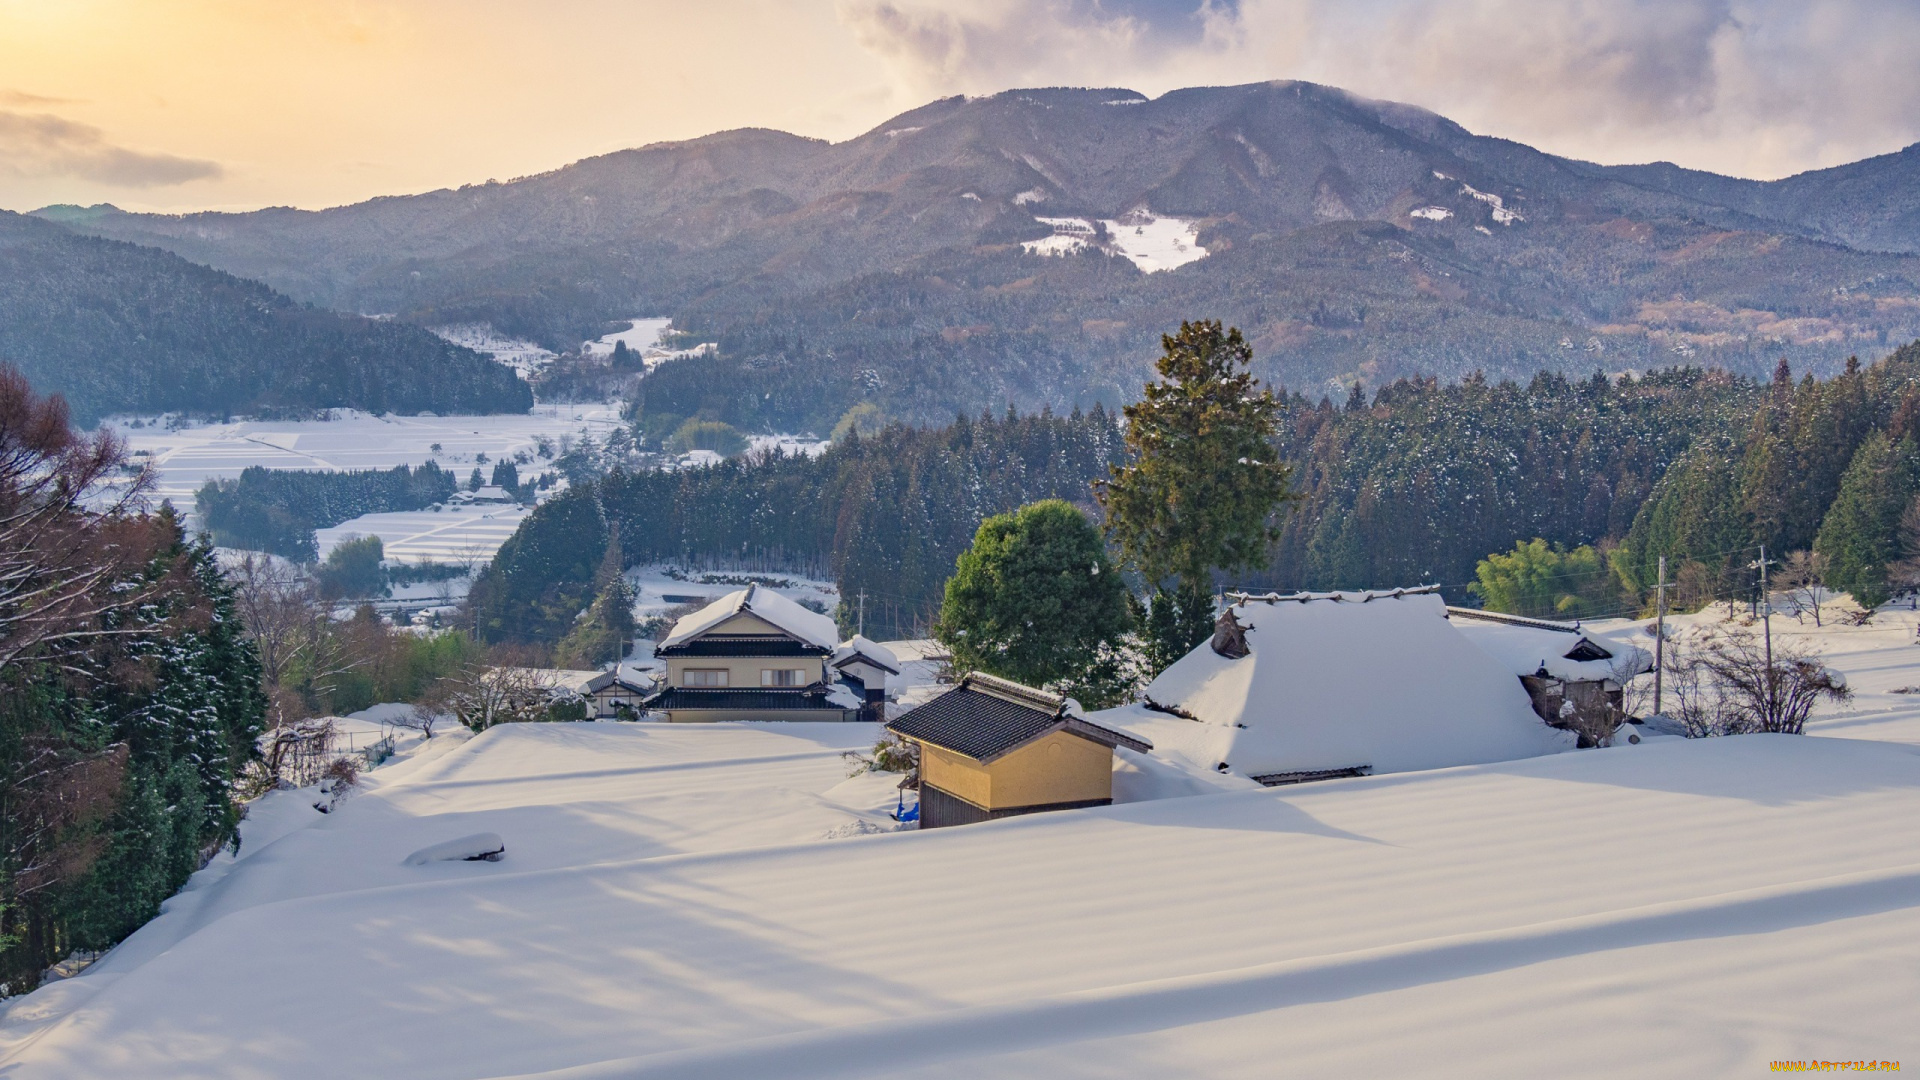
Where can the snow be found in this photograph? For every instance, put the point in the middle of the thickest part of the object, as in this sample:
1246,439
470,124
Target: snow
726,900
1034,195
1151,243
654,583
1431,213
1525,649
480,847
189,456
1340,681
723,901
765,604
923,663
524,357
640,335
863,646
1057,244
455,534
1502,215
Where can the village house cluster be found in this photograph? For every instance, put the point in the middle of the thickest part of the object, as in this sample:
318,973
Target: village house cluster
1291,688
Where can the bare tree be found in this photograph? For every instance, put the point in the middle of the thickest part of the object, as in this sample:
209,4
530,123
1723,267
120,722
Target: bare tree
1803,578
1758,697
76,557
482,696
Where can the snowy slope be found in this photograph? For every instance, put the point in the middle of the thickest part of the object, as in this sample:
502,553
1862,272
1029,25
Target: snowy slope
665,908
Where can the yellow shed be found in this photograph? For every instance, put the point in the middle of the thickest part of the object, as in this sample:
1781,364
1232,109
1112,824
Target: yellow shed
992,748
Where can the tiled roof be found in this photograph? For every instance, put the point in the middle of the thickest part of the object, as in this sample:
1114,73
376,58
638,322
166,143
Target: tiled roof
742,699
742,645
986,718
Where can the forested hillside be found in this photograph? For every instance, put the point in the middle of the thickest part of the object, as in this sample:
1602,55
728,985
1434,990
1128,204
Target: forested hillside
1416,483
1350,239
884,515
119,328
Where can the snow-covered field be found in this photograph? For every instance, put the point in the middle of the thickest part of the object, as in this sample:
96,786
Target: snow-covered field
719,901
188,457
454,534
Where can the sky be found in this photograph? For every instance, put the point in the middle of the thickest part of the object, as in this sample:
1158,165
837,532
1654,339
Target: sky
182,105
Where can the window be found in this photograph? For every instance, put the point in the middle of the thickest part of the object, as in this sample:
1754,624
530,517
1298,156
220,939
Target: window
704,677
780,676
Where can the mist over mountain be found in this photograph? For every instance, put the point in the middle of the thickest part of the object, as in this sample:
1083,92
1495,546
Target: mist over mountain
115,327
1353,240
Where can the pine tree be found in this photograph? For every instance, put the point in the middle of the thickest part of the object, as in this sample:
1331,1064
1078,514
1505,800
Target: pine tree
1861,534
1205,482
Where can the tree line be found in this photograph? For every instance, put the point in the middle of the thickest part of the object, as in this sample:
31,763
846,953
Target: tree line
129,695
884,515
277,510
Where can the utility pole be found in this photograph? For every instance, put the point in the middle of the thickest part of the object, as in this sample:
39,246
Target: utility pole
1660,634
1766,624
862,624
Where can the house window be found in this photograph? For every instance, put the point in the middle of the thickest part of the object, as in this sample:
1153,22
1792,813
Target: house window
780,676
705,677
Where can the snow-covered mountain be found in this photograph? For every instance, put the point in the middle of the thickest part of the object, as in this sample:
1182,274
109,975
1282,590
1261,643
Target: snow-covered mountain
1352,238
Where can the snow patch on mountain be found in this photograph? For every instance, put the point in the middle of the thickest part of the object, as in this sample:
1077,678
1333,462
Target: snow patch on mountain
1149,242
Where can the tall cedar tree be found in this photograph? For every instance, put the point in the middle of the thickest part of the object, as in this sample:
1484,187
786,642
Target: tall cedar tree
1036,600
1205,480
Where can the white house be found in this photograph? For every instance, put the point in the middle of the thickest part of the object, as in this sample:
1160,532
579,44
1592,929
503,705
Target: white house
1313,686
757,655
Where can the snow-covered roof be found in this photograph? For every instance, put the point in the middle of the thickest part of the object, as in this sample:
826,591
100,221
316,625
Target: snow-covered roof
1527,645
767,606
579,682
858,648
1337,681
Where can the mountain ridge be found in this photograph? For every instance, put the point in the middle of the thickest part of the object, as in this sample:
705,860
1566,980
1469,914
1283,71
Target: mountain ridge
1517,259
116,327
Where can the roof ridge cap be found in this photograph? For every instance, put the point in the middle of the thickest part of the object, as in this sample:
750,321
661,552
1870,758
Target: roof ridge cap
1018,693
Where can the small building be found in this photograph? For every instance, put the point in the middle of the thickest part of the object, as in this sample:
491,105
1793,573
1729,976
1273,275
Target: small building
617,695
605,695
486,495
754,655
1317,686
991,748
1575,681
866,665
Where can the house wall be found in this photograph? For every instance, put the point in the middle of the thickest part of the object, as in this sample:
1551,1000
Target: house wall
744,671
1060,768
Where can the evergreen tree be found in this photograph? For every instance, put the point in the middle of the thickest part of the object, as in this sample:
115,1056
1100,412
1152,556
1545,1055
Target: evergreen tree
1861,534
1206,479
1036,600
604,632
507,475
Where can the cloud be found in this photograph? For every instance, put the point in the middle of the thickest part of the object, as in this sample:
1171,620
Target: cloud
21,97
43,145
943,46
1754,87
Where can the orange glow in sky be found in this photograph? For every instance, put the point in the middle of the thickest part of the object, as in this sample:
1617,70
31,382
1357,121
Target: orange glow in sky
191,104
